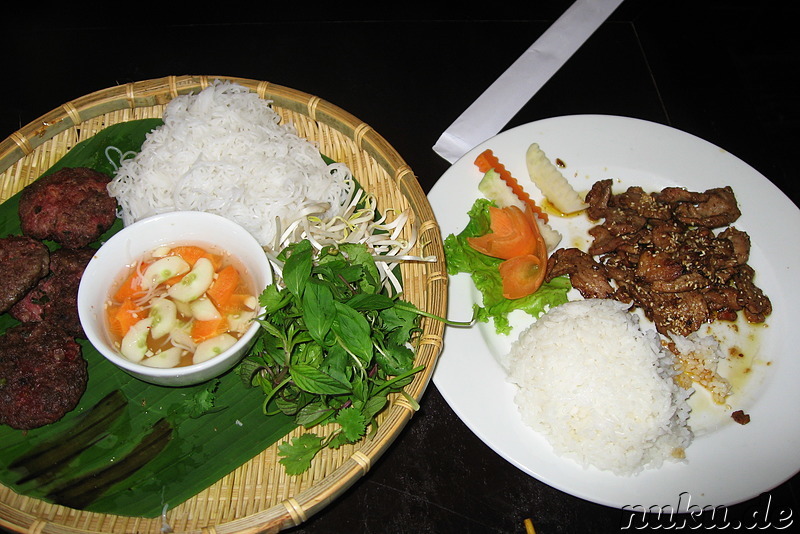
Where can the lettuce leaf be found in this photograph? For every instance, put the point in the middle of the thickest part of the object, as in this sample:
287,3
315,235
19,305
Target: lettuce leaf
483,270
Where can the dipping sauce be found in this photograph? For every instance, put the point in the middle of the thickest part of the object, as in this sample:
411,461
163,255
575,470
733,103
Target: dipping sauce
180,305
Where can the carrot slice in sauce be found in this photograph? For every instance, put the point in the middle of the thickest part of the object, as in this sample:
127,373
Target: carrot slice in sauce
224,286
192,253
132,284
123,316
202,330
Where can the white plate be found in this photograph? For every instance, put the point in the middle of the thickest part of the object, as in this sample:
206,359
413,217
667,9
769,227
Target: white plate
727,463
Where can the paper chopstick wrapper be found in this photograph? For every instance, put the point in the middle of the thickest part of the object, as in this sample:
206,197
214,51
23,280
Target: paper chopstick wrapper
506,96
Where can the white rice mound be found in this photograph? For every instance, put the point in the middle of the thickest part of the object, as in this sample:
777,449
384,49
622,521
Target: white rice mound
223,151
599,388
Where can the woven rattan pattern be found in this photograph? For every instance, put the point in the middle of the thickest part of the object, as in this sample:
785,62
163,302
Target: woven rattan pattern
258,496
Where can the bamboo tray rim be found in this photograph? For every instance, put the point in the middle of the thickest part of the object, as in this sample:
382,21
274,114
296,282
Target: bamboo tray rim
299,507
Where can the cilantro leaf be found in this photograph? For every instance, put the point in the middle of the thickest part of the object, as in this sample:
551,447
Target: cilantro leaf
202,402
297,455
353,423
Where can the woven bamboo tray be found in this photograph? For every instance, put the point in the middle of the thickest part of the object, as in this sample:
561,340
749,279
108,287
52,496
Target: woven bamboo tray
258,496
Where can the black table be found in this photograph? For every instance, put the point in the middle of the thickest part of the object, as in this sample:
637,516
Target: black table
721,70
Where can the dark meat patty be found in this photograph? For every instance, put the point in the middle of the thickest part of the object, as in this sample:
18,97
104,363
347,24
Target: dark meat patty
23,262
42,375
55,298
71,207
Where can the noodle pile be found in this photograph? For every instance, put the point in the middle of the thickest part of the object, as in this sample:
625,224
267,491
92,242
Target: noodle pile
223,151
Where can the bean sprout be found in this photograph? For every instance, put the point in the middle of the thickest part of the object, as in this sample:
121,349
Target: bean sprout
358,223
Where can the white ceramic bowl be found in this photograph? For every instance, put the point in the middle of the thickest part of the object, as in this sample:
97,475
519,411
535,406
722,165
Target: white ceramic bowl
134,241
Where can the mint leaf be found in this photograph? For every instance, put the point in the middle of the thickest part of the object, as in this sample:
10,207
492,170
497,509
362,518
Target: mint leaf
313,380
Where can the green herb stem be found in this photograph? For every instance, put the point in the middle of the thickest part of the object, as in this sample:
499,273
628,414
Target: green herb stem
449,322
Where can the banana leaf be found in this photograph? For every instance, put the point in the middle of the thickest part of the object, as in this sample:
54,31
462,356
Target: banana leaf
131,448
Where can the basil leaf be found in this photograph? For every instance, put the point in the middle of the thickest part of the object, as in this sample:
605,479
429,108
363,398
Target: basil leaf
336,361
310,353
319,310
353,331
297,269
370,302
332,338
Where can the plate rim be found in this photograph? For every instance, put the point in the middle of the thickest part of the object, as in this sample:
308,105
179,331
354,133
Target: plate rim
439,191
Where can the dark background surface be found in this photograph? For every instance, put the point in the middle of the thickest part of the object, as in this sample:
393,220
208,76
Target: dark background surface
721,70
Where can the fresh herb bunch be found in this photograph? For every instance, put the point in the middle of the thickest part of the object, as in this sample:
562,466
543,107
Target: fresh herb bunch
333,346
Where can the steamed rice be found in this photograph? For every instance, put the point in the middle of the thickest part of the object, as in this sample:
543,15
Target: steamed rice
223,151
599,388
697,359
